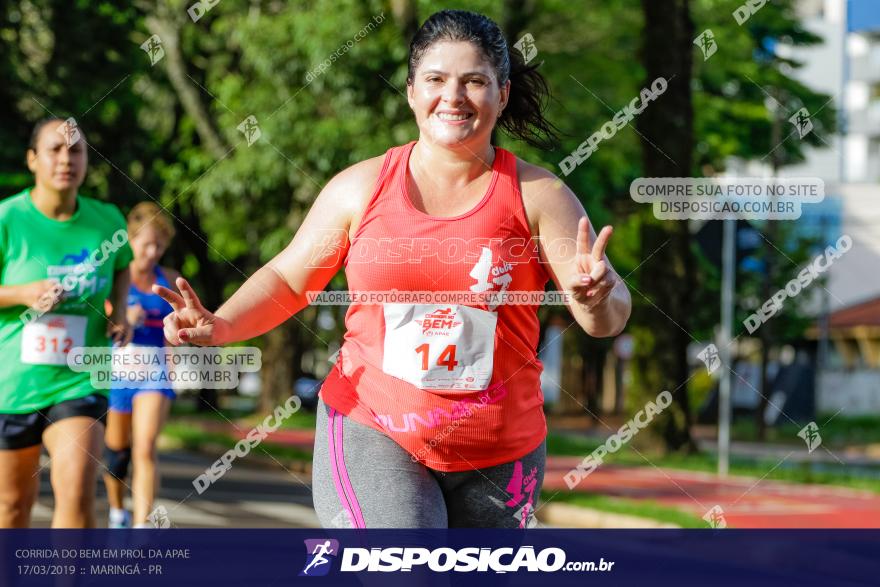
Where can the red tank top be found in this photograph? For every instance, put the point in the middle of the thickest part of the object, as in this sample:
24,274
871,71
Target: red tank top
457,386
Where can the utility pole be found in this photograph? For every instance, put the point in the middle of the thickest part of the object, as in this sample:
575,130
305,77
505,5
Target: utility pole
728,282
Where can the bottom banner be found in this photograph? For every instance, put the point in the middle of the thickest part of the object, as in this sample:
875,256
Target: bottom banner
440,557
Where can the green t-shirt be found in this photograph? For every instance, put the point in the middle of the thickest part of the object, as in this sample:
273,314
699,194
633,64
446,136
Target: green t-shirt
81,254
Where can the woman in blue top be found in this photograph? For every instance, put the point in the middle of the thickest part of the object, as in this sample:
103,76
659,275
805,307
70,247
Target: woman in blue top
137,415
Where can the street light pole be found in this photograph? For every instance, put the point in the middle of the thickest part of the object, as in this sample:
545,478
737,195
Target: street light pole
728,278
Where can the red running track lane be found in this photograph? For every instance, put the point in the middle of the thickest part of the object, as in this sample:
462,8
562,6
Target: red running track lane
746,502
304,439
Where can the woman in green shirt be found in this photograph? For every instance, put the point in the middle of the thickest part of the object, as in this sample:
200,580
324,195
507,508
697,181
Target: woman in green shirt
62,255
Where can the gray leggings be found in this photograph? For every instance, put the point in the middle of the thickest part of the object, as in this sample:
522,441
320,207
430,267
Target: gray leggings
363,479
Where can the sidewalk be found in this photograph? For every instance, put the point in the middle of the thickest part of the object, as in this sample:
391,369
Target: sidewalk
746,502
855,456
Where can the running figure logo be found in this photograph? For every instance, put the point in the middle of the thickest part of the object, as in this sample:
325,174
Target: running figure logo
327,252
801,121
154,49
250,128
706,43
709,356
317,561
715,518
69,131
159,518
810,434
526,46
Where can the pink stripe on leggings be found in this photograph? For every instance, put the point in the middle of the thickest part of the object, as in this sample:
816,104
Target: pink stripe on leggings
340,475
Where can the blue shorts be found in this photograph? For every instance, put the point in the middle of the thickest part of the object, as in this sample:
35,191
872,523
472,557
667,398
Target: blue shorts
139,378
121,399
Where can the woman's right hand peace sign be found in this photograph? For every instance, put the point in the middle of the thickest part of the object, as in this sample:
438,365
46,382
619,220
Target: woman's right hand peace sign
190,322
593,279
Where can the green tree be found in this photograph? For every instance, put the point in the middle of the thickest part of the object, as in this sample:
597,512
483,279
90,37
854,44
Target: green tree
747,96
690,133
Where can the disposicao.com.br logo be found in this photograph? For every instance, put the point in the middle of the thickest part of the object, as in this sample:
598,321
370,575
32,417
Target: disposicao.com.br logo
319,553
442,560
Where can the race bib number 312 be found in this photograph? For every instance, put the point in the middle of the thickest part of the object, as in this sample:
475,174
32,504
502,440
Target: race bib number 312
439,347
48,339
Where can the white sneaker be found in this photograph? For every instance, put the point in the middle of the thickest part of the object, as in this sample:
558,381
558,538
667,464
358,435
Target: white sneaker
119,518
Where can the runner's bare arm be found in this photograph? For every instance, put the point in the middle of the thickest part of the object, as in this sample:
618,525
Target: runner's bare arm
37,294
575,257
118,327
280,289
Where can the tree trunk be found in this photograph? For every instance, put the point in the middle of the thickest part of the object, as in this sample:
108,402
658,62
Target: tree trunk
667,279
164,25
277,375
404,12
766,333
517,15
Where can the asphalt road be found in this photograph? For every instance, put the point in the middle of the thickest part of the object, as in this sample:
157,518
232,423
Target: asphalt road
247,496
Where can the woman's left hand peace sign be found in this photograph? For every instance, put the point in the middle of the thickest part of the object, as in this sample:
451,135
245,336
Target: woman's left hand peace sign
593,279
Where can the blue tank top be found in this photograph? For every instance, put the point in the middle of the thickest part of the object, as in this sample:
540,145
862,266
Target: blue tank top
150,333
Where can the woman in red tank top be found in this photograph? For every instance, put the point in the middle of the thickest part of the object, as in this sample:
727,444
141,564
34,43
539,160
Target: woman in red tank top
432,415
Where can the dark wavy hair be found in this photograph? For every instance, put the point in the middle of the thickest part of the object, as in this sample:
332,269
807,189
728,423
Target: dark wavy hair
38,128
523,117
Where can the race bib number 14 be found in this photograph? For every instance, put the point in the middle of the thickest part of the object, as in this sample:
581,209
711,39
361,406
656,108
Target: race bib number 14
439,347
48,339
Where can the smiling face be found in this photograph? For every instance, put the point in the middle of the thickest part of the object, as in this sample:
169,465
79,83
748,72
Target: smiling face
56,166
148,246
455,96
